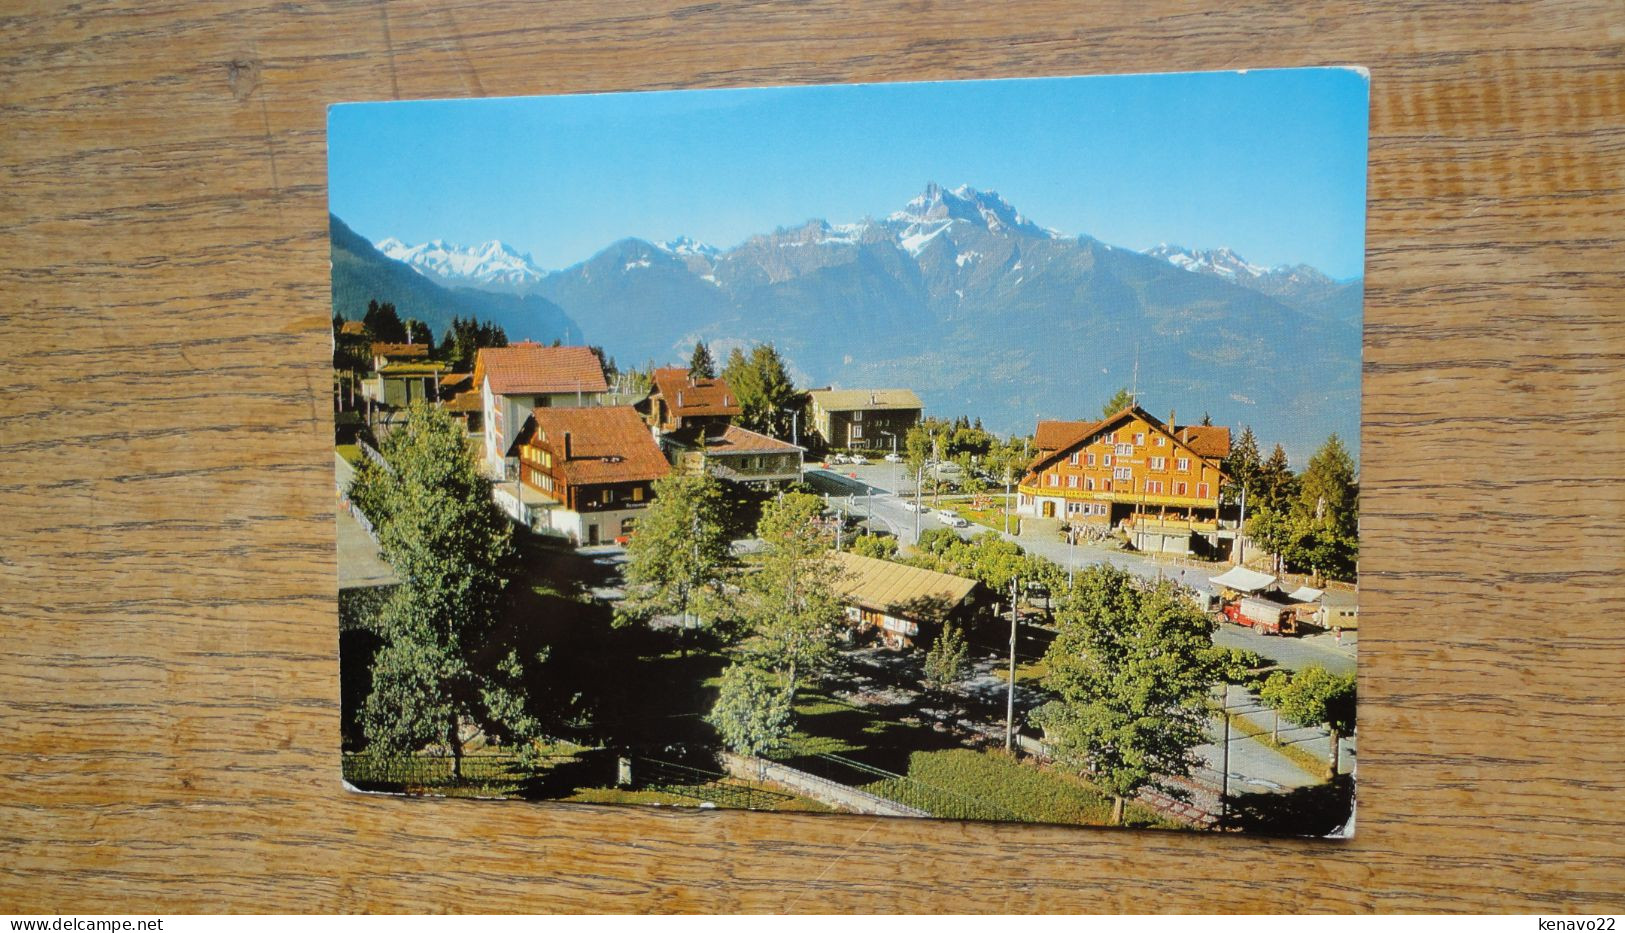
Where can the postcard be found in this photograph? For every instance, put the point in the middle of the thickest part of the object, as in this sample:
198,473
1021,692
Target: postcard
973,450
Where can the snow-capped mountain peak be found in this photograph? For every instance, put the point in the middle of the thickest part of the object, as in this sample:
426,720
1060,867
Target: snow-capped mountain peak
490,263
929,212
688,246
1222,262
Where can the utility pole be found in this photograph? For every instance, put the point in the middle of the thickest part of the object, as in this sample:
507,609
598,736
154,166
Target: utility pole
1010,693
1224,767
1071,562
918,478
1241,530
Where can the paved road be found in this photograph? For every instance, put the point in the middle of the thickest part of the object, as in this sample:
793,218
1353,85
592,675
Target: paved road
866,489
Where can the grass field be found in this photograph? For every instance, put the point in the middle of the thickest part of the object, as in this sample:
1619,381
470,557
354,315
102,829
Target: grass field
963,784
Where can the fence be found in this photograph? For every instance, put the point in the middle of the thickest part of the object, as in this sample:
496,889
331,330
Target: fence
840,796
372,770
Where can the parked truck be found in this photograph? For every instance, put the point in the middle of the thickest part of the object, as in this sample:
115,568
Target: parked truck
1262,615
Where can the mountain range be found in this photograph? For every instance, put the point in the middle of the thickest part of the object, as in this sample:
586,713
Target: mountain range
975,306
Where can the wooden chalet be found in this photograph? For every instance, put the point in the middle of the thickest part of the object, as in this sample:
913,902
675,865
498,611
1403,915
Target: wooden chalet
1155,481
906,605
680,401
867,419
515,380
734,454
586,473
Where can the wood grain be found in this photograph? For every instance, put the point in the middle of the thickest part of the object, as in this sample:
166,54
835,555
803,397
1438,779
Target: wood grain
169,678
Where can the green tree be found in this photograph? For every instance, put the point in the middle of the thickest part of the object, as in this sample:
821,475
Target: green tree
945,660
1242,466
1314,697
882,547
383,324
1327,509
767,397
791,608
1276,484
441,665
753,711
1123,399
678,557
700,364
1131,666
418,332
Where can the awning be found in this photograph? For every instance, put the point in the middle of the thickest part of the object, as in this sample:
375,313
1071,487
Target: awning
1305,594
1243,580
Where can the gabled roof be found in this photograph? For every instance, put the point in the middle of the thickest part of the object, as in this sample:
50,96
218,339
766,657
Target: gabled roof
733,440
532,369
1209,441
865,399
1053,435
898,589
401,351
607,445
353,329
690,397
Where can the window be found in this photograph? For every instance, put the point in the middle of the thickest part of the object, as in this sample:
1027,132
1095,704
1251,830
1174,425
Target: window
1184,464
1159,463
609,496
1181,489
1072,481
1153,486
1073,459
1090,460
637,495
1139,439
857,432
857,416
1202,490
1125,450
1159,441
1088,482
1106,460
1052,479
1123,473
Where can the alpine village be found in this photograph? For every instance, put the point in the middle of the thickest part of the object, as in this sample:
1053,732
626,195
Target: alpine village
697,583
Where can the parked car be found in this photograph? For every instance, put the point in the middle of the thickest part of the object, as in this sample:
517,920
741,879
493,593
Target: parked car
952,519
894,458
858,459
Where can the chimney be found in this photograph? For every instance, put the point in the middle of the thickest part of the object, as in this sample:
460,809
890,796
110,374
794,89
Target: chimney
1170,421
872,398
679,398
567,445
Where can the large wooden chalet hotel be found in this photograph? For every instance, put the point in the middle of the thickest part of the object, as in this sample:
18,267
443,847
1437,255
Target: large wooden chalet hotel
1155,481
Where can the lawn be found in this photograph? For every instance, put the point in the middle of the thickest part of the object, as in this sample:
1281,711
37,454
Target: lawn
963,784
351,453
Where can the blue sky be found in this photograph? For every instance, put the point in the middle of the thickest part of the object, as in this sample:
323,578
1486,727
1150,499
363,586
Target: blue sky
1269,163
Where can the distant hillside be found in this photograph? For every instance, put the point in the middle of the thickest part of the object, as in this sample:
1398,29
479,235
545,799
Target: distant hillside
361,274
985,313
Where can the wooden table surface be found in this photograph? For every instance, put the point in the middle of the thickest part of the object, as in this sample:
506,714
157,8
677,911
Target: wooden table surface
169,671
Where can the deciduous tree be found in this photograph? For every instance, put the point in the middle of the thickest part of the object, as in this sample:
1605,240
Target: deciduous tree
441,665
1131,667
679,554
753,711
791,607
1315,697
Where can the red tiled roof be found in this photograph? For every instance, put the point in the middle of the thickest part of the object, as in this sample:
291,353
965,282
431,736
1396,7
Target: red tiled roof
1205,440
1209,441
1053,435
691,397
607,445
401,350
532,369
